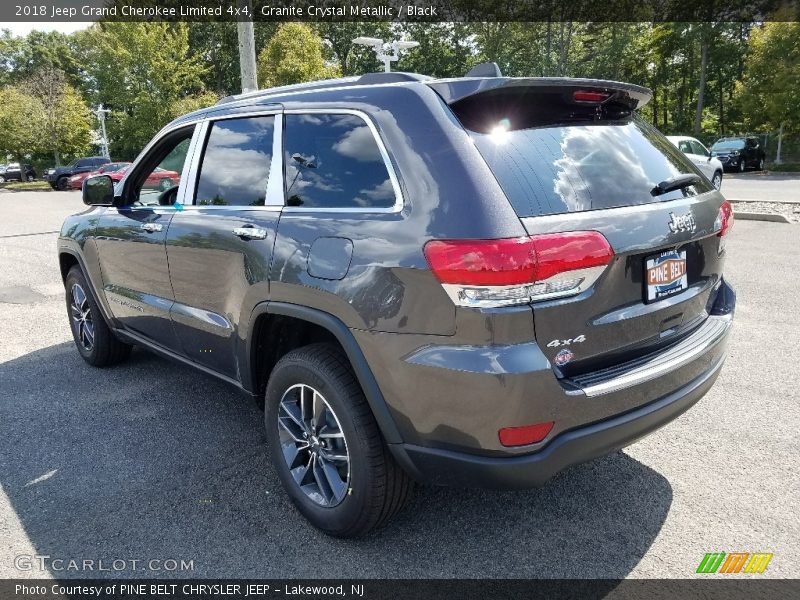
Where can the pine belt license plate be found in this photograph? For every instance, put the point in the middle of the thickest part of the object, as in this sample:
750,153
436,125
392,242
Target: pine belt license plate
665,275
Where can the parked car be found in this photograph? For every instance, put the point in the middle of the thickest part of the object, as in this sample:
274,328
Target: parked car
368,260
76,181
710,166
13,172
739,153
58,177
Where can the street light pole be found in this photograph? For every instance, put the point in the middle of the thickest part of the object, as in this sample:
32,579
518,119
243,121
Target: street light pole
378,46
101,113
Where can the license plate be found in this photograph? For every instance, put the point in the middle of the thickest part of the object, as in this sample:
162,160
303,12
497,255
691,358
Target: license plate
665,275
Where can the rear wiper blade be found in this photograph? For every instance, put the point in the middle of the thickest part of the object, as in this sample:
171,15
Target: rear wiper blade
675,183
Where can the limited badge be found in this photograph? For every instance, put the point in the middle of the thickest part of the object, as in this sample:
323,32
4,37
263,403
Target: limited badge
564,356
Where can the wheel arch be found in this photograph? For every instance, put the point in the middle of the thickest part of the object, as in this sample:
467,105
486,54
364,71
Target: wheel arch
68,258
254,378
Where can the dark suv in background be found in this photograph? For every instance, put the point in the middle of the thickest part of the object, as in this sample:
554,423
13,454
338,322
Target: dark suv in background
13,172
739,153
475,281
58,177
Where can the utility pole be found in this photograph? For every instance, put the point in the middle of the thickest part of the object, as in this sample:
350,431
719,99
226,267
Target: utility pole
778,160
101,113
247,47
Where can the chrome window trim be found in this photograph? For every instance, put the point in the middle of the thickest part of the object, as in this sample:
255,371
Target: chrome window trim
399,202
273,203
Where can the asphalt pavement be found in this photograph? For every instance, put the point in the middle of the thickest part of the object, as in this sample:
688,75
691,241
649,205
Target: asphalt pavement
762,187
152,460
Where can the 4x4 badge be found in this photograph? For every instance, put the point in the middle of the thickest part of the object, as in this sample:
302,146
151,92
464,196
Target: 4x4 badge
682,223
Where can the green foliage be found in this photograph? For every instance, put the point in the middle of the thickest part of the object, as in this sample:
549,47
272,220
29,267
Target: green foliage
769,92
353,59
293,55
21,123
140,71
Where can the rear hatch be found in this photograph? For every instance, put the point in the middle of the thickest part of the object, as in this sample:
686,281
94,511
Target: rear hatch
572,155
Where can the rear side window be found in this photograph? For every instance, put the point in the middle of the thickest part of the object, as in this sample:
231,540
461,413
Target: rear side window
236,162
333,161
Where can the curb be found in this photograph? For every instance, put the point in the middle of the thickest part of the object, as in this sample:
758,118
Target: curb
747,200
757,216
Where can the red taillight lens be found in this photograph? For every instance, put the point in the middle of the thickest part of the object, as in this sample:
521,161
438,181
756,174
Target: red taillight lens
482,262
587,96
527,434
491,273
561,252
515,261
725,218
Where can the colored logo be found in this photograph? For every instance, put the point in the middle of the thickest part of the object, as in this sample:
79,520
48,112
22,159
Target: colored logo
563,357
734,562
666,270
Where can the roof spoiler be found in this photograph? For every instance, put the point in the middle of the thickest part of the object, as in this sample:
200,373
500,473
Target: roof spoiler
488,69
453,90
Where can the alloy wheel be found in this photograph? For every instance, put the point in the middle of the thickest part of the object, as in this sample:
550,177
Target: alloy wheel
81,314
717,181
313,445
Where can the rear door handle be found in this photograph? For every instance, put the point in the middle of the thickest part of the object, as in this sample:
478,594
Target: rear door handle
251,233
152,227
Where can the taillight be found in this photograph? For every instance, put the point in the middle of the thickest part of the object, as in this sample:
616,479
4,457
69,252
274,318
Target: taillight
589,96
489,273
527,434
724,220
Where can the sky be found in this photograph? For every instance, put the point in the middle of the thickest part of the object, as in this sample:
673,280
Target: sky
23,29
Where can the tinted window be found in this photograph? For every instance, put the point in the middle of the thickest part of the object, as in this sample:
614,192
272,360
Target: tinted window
724,145
552,170
236,162
698,148
333,161
684,146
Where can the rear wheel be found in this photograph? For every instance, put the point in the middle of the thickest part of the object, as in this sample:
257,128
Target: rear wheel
326,445
716,181
29,177
95,341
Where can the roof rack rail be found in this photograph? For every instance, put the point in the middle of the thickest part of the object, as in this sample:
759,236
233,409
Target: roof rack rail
487,69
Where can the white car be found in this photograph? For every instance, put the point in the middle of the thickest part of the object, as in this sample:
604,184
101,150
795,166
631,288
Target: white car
700,156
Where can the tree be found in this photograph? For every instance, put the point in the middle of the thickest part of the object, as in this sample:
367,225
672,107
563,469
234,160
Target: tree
293,55
140,71
67,123
769,93
353,59
21,123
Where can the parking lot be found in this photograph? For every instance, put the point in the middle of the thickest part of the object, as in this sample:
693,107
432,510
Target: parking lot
152,460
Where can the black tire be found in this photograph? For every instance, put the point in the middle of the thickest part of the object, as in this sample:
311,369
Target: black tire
377,488
53,185
742,166
29,177
716,180
2,179
105,349
62,183
760,164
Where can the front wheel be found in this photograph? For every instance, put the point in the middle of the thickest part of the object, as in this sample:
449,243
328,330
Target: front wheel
716,181
95,341
165,184
62,184
29,177
326,445
2,179
741,166
760,164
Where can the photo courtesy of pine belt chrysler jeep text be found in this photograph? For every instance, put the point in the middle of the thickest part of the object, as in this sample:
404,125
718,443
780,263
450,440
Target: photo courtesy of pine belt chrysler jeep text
475,281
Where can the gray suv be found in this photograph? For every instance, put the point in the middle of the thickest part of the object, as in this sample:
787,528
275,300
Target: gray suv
476,281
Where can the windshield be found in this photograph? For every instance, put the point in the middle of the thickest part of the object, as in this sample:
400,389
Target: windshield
728,145
572,168
73,163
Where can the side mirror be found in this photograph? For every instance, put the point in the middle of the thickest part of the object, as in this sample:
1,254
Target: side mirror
98,191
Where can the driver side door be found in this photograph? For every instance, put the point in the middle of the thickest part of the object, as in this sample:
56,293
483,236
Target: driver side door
131,240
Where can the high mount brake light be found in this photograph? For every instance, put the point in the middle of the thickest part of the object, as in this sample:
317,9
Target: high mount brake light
589,96
489,273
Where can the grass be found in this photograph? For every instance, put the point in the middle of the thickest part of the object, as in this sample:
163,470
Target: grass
26,185
791,167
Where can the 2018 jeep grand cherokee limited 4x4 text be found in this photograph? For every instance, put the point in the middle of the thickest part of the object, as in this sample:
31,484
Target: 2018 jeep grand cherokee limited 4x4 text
473,282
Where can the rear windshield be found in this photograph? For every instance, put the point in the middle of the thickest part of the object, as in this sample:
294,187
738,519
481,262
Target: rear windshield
587,166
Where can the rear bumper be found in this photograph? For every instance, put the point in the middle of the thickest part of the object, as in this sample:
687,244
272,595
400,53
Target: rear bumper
444,467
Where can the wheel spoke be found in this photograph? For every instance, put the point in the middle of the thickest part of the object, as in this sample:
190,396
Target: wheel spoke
291,411
319,412
88,331
322,481
293,430
338,487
